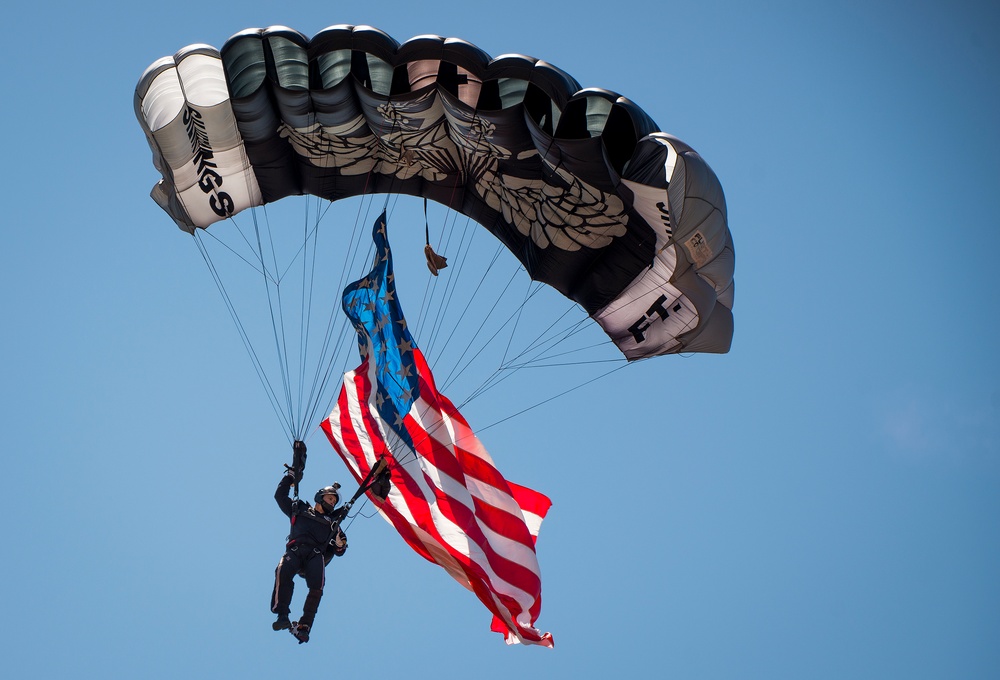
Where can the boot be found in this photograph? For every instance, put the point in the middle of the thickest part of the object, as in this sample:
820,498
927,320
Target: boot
300,631
281,623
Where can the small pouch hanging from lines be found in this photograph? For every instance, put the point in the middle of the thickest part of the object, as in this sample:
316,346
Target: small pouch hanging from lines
435,262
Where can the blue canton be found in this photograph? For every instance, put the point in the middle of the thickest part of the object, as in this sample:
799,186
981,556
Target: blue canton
373,307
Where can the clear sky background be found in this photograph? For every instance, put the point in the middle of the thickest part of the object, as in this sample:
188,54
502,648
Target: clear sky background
822,502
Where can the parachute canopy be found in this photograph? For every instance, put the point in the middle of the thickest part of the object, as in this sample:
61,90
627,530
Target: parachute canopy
579,184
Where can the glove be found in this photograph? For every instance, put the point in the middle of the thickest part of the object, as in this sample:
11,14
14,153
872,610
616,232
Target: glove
298,461
294,473
382,485
299,455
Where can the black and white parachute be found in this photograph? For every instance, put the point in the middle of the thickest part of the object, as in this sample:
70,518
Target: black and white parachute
579,184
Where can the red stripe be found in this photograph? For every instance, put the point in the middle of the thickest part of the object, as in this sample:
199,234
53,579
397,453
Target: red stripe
530,500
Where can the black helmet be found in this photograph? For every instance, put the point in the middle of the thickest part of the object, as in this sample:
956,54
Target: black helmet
318,498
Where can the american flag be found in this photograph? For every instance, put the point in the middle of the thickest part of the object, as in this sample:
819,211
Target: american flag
448,500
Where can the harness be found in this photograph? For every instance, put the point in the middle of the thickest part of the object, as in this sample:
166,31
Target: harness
334,526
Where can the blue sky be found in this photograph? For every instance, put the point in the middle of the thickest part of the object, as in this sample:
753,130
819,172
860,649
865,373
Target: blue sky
821,502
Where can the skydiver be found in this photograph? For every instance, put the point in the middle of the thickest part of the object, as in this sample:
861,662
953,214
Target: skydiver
315,539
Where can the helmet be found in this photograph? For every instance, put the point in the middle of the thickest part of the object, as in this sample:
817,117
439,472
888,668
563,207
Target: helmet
334,489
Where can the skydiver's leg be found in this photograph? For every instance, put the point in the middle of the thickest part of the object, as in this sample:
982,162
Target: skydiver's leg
315,576
284,585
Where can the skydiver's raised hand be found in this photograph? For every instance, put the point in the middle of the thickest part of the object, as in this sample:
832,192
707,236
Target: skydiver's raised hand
294,473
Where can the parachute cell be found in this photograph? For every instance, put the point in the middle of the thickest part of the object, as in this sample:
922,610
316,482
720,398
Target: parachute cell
579,184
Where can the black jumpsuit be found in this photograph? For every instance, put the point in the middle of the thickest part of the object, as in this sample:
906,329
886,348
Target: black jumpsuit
309,549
